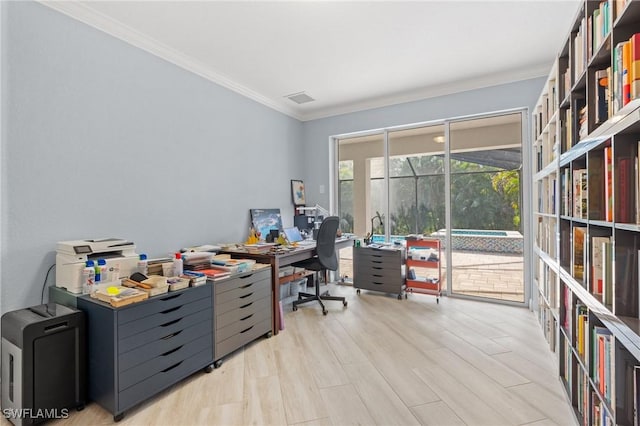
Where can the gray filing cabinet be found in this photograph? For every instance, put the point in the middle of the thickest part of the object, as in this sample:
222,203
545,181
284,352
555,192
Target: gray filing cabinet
137,350
379,269
243,311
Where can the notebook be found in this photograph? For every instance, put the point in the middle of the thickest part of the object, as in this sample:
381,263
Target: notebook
293,234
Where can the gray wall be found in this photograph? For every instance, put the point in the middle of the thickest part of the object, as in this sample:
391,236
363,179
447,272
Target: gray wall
317,132
101,139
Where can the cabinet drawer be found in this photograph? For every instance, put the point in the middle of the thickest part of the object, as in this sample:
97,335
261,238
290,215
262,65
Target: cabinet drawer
155,365
161,318
385,262
163,303
234,315
242,280
155,333
223,333
378,275
166,343
379,286
238,340
154,384
246,301
242,291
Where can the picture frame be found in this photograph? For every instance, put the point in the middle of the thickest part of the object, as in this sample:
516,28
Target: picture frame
297,192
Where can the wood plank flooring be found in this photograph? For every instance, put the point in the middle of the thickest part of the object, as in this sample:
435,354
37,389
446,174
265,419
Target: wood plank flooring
379,361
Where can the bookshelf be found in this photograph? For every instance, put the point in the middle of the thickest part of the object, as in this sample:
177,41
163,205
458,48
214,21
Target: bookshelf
586,219
428,281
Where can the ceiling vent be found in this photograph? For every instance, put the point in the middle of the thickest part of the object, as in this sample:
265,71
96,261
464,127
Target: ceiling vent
300,98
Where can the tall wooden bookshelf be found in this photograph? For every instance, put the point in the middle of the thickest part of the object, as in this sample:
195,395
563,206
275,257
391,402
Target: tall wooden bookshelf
586,219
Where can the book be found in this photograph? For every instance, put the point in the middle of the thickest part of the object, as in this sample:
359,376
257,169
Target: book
577,266
634,66
597,259
636,394
625,183
596,187
607,274
626,73
608,184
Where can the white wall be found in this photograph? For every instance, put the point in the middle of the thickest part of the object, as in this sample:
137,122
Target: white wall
101,139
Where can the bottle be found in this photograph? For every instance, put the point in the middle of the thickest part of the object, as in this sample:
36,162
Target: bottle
104,271
177,265
97,277
143,266
88,277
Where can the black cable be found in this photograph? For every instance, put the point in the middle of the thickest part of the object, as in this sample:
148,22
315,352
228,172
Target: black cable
44,284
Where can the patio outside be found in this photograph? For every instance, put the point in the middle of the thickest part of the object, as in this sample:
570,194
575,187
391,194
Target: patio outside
492,275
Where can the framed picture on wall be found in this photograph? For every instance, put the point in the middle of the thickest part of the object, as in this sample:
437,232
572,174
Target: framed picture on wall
297,192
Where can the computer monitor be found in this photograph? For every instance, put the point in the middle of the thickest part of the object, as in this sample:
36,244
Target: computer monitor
265,220
293,234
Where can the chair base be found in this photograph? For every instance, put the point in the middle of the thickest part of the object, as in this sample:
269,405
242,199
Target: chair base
308,297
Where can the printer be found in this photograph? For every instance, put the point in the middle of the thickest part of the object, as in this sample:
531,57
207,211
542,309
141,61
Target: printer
71,256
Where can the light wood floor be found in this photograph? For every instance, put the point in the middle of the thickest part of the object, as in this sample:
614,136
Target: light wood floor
379,361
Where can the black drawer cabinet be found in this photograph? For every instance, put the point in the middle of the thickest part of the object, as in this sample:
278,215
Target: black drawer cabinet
379,270
138,350
242,307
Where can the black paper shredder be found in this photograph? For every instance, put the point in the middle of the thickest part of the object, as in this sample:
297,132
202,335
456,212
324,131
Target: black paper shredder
43,363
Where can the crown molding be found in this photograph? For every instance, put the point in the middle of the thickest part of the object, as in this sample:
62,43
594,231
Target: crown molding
85,14
495,79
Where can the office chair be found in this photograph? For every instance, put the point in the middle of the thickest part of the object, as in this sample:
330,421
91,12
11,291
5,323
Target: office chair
325,260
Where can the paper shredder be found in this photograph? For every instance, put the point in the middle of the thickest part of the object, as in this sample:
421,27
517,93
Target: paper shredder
43,363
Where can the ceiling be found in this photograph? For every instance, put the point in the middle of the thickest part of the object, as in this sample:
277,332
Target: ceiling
348,56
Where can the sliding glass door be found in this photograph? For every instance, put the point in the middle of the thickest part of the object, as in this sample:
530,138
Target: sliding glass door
486,230
455,180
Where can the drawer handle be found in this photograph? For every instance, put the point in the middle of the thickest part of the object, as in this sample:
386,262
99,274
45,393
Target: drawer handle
164,299
247,286
171,310
171,322
172,335
246,276
244,331
376,261
377,283
378,276
246,295
172,350
172,367
246,306
246,318
377,267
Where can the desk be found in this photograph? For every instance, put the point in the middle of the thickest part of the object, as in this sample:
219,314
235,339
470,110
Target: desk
282,259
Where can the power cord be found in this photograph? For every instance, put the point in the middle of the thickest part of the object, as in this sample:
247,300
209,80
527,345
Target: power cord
44,284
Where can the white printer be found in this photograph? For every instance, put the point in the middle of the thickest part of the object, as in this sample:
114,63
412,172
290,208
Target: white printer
71,256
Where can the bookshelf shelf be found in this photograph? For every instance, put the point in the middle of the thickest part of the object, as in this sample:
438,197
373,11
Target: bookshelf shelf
587,188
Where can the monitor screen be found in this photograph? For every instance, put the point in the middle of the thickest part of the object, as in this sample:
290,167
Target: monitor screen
265,220
293,234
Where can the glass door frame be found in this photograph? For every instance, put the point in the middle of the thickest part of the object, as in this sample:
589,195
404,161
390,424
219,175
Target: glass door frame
526,190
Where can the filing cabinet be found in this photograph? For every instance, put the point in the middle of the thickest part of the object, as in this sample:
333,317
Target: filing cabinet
138,350
379,269
242,311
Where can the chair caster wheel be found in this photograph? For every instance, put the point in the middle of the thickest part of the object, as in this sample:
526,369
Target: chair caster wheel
208,369
344,303
269,334
295,308
217,363
358,291
400,297
118,417
324,312
80,407
406,295
437,300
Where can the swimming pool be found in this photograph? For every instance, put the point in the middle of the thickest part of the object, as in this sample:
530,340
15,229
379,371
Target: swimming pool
496,241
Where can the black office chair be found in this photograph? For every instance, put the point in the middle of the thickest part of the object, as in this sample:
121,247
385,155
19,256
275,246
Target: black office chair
325,260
